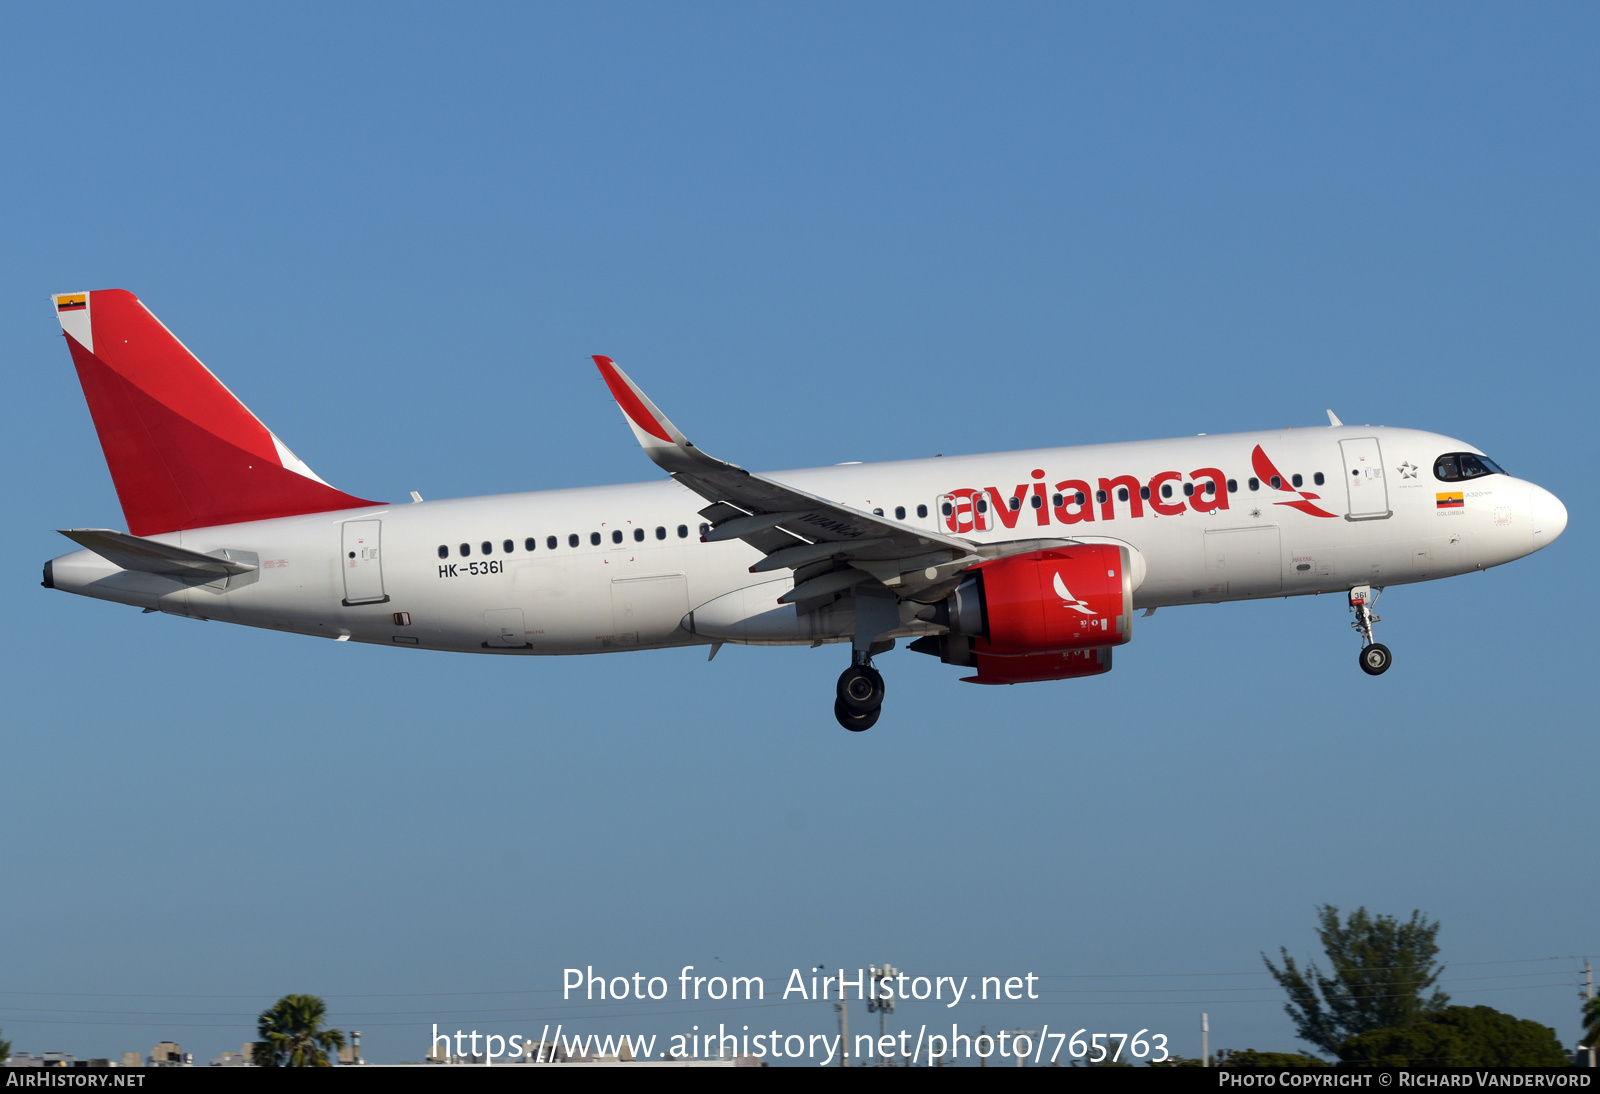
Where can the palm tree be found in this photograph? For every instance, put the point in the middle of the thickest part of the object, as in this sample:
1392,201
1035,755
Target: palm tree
292,1034
1591,1023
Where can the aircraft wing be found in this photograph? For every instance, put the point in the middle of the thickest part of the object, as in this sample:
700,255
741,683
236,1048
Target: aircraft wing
830,546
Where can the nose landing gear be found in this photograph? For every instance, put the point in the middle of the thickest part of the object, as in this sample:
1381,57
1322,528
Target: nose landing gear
860,694
1375,656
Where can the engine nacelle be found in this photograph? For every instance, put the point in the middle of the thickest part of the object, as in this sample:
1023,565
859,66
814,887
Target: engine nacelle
1045,615
993,669
1067,598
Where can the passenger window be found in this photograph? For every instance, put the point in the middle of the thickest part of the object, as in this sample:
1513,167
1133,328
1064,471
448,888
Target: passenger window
1057,500
1015,503
616,535
1166,490
1211,488
877,512
661,532
466,549
1233,486
1080,499
1122,493
1188,489
922,510
1099,496
550,542
572,540
683,531
510,545
1038,502
444,552
1318,479
1144,492
1255,484
486,547
983,505
705,530
946,509
1297,480
1277,483
594,539
899,512
638,535
530,543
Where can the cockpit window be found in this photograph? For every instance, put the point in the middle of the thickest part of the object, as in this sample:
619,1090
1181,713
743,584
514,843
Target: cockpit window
1464,465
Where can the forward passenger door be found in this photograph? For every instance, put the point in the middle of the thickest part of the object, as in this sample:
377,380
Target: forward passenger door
1363,479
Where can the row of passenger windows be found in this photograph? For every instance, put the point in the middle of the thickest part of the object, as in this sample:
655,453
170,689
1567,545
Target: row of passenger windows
900,512
551,543
509,546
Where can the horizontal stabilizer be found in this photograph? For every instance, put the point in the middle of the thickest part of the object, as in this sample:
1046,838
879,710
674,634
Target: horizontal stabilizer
150,557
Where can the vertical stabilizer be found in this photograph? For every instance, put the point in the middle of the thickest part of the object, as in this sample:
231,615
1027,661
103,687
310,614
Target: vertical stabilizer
183,451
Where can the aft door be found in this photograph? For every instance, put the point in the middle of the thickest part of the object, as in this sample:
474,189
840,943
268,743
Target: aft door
1244,561
363,569
1363,478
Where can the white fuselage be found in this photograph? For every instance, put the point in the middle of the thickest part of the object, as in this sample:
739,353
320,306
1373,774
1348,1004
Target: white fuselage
377,575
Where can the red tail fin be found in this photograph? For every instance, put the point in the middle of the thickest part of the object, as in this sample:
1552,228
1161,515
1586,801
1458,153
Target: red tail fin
183,451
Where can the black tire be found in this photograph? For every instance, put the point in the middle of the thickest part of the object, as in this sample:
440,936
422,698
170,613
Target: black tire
855,723
860,689
1376,659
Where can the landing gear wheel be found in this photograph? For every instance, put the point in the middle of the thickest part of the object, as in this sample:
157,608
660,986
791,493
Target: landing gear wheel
861,691
855,723
1375,659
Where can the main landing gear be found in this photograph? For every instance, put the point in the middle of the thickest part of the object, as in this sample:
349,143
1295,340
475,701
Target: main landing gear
1375,656
860,691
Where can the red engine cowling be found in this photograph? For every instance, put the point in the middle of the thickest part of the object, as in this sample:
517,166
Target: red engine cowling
993,669
1052,615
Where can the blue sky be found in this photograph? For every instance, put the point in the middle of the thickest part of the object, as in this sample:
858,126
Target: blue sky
832,233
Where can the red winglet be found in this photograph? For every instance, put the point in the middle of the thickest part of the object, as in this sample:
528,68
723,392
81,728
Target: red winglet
630,402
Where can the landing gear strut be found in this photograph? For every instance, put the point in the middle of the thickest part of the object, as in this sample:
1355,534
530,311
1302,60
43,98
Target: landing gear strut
860,694
1375,656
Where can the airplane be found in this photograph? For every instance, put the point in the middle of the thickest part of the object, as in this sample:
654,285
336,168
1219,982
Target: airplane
1019,566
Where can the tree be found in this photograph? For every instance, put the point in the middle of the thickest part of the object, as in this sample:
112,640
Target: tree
1591,1022
292,1034
1251,1058
1380,968
5,1049
1458,1037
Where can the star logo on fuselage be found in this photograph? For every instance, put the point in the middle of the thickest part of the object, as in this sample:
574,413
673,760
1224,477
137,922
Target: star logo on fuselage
1408,470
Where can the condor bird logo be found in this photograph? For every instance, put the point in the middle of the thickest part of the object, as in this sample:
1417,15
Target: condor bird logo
1080,606
1279,481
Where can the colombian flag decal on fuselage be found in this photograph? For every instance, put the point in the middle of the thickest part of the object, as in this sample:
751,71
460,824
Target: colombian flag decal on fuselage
1448,501
76,302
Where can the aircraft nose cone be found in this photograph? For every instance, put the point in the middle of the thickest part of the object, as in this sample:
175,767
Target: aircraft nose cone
1549,517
